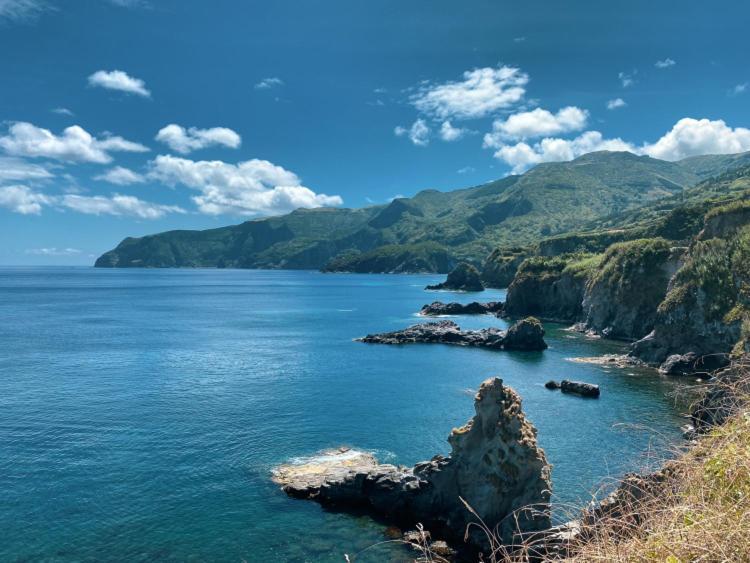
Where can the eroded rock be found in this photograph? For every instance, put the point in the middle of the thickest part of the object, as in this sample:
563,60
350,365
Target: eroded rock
526,334
495,465
437,308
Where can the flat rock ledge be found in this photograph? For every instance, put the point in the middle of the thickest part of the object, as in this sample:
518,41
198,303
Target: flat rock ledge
437,308
526,334
495,466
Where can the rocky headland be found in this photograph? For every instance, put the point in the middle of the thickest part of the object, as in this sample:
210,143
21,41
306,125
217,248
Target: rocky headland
495,467
526,334
438,308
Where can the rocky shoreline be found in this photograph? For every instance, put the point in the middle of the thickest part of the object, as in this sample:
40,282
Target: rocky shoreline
526,334
495,467
438,308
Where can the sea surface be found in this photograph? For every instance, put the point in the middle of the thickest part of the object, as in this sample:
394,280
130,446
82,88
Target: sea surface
142,411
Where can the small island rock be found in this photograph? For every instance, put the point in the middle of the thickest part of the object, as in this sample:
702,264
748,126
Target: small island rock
463,277
437,308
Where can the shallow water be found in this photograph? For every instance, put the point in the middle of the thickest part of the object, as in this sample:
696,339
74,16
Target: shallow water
141,411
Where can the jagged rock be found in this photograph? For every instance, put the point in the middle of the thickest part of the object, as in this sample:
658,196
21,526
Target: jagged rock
437,308
463,277
723,396
495,465
577,387
526,334
693,364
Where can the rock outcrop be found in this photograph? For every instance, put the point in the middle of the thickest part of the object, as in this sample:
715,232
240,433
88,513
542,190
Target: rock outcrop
437,308
495,466
551,288
463,277
526,334
577,387
622,296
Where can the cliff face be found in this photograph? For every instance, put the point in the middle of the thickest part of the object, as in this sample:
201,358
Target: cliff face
550,288
463,277
707,304
495,465
622,296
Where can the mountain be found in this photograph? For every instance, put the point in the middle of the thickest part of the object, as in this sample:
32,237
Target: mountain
432,230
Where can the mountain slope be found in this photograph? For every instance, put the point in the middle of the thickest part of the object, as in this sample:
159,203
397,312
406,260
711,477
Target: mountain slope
468,223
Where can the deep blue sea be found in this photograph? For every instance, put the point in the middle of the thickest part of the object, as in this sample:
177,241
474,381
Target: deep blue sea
141,411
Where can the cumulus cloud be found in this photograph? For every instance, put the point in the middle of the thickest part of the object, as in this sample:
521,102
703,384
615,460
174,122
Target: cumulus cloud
522,156
536,123
19,170
122,205
185,141
418,133
121,176
450,133
690,137
481,92
53,251
22,199
119,80
666,63
626,79
74,145
246,188
268,83
616,103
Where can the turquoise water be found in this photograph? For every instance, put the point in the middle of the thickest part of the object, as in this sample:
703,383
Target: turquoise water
142,410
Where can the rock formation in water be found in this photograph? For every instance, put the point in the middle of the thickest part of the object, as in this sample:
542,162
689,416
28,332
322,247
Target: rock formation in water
495,466
437,308
576,387
463,277
526,334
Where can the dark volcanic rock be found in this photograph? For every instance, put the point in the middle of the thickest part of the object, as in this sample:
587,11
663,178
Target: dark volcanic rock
463,277
437,308
527,334
577,387
495,465
693,364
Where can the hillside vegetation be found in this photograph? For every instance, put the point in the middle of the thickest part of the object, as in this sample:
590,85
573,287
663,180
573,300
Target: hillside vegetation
468,224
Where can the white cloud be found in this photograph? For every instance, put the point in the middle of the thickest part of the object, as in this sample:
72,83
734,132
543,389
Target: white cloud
268,83
121,205
119,80
536,123
74,145
690,137
466,170
449,133
247,188
519,39
739,89
481,92
21,10
121,176
666,63
627,79
184,140
522,156
53,251
418,133
17,169
22,199
62,111
616,103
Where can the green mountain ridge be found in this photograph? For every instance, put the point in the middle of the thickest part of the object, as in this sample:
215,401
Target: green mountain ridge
432,230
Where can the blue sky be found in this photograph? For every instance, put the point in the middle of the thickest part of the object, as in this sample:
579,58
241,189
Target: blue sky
124,117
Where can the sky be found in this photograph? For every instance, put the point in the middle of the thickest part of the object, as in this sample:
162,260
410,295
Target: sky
130,117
